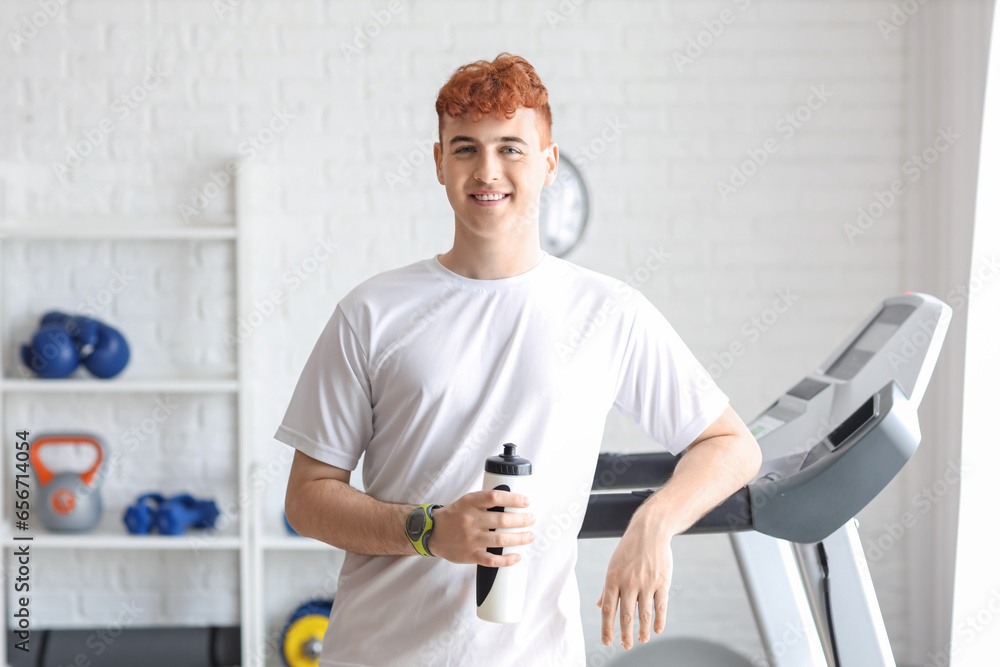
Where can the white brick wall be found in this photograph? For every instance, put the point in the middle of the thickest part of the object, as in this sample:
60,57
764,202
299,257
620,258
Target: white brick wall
357,120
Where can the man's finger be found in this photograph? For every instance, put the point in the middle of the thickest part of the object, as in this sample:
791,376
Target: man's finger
644,614
609,605
660,605
509,520
497,498
627,617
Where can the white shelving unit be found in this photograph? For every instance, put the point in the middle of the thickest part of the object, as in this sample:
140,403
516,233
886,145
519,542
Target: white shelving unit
259,538
110,534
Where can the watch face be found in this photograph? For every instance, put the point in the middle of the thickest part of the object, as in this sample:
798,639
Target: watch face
415,523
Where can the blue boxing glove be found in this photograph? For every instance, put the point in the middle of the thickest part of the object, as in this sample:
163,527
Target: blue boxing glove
64,341
52,352
82,330
110,352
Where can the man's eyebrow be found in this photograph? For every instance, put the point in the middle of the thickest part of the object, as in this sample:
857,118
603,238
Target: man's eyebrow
499,140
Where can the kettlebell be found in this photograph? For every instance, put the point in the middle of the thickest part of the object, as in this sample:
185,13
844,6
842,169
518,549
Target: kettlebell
70,501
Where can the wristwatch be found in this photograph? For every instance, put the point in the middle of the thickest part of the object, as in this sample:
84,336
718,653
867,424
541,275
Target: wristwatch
419,524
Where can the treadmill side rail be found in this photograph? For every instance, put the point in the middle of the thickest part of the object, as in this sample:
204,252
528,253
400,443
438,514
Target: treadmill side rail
608,514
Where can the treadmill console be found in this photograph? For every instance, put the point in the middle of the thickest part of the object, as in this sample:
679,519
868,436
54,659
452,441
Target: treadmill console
833,441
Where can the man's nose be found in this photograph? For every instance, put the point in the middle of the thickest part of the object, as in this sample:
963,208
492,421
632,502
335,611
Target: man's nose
487,168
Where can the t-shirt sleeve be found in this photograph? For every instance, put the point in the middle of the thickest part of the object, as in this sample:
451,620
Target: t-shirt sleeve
330,414
662,386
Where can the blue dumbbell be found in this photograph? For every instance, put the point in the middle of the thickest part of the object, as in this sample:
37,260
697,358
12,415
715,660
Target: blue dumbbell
140,517
179,512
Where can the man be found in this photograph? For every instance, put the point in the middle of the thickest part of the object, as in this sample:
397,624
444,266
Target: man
430,368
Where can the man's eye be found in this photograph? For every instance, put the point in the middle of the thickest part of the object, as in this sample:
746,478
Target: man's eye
511,148
463,149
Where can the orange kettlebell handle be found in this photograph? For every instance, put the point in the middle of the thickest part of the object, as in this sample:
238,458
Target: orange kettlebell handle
45,475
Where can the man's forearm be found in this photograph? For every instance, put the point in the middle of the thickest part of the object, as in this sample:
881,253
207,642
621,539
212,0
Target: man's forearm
334,512
707,474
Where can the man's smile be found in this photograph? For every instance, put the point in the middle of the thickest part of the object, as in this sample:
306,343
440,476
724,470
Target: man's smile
489,197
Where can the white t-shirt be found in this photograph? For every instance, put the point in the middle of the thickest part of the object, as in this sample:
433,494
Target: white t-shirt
428,373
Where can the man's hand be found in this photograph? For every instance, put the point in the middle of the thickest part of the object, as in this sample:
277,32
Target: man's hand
722,459
639,575
464,529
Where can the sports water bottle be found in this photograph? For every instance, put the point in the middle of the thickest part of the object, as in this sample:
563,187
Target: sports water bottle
500,590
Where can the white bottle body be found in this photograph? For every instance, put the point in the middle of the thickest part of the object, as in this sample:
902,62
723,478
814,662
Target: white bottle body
504,603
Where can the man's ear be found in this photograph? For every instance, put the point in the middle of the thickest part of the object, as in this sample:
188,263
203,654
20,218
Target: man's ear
551,163
438,158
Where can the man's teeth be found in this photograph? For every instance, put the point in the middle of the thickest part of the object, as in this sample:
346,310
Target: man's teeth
489,197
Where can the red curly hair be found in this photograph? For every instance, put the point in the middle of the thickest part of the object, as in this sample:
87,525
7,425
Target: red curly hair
486,88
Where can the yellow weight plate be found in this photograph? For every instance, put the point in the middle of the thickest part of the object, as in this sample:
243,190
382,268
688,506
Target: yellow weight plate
300,632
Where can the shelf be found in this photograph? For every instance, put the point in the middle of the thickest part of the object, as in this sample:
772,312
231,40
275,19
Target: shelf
118,386
124,541
110,534
273,536
277,540
113,227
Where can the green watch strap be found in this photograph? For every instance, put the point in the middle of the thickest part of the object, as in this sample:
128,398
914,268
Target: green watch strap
419,541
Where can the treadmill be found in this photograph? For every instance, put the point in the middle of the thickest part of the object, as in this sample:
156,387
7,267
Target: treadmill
830,445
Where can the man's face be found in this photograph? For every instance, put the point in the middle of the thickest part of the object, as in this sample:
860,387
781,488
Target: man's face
500,157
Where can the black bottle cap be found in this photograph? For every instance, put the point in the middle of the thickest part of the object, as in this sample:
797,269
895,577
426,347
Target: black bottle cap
508,463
